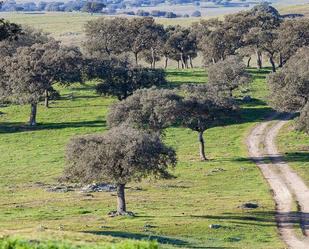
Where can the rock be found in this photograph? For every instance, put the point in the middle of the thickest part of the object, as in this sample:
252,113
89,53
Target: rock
214,226
247,99
115,213
250,205
215,170
60,189
100,187
149,226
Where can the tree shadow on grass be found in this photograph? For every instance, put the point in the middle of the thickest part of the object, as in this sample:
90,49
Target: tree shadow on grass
264,218
140,236
286,158
159,239
22,127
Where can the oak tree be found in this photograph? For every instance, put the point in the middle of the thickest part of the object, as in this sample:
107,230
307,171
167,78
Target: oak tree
31,71
122,81
290,86
151,109
204,107
119,156
228,74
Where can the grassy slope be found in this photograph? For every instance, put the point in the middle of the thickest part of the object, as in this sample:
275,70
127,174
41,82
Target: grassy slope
295,147
179,210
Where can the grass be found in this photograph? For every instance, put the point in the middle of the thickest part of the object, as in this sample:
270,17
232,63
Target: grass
176,213
10,243
295,147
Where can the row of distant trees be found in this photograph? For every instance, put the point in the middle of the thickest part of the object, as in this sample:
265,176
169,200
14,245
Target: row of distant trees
79,5
90,7
260,32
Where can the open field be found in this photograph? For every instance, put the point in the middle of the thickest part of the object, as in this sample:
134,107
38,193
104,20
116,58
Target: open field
175,212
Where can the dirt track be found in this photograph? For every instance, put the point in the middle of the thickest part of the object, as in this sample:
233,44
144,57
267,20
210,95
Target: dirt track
288,188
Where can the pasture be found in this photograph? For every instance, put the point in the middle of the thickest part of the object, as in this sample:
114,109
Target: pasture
176,212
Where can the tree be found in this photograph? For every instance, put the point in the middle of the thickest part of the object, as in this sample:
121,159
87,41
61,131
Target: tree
144,34
26,38
290,86
292,35
31,71
107,36
151,109
264,41
8,30
93,7
181,45
196,13
217,45
228,74
119,156
123,81
205,106
264,20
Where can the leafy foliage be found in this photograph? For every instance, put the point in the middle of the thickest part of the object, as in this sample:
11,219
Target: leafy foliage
290,86
119,156
123,81
228,74
8,30
151,109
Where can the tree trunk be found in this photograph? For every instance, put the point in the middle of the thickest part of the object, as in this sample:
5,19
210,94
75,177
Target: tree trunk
202,146
191,63
46,99
136,58
32,121
248,63
272,62
182,61
153,58
121,202
166,60
186,63
259,60
280,60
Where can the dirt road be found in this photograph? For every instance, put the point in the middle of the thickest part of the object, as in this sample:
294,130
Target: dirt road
290,192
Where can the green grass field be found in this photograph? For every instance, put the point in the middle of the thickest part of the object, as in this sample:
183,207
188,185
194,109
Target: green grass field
295,147
176,213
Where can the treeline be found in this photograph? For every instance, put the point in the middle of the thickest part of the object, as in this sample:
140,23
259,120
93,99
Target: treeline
99,6
260,32
69,6
90,7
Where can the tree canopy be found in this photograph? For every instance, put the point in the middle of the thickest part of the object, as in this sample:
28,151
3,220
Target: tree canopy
290,86
204,107
151,109
31,71
122,81
119,156
228,74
